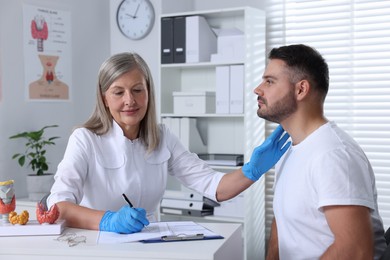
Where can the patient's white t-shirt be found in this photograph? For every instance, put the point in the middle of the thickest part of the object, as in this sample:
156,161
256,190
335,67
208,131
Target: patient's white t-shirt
327,168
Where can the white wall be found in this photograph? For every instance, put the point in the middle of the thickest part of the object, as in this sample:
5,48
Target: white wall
90,39
217,4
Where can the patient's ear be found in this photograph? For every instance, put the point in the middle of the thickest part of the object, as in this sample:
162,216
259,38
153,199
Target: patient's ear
302,89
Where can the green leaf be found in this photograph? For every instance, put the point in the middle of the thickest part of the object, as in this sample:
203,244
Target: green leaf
35,149
21,160
16,155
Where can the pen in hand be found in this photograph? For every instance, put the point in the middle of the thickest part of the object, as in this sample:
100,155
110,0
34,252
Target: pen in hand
131,205
127,200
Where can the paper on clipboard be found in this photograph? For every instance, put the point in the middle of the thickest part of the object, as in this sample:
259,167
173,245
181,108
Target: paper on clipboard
155,232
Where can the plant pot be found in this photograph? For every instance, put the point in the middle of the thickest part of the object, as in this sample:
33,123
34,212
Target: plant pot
39,185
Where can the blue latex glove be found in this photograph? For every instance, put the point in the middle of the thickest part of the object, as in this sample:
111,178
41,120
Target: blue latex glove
265,156
127,220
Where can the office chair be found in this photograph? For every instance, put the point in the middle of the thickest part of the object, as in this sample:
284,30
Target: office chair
386,255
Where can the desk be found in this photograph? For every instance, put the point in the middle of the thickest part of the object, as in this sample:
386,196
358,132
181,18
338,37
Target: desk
46,247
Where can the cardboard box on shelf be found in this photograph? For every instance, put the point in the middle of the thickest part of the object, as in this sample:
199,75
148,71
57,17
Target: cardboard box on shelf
230,46
201,102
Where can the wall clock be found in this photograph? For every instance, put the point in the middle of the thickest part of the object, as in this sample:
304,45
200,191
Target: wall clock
135,18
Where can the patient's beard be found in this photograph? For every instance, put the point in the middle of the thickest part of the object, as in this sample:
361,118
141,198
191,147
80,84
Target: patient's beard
280,110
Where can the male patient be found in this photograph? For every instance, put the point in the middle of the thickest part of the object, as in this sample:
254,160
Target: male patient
325,199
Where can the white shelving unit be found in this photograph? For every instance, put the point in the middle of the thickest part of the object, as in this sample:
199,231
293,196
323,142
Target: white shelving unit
226,133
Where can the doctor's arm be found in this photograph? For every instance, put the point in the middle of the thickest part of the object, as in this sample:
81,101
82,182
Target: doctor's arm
79,217
126,220
263,158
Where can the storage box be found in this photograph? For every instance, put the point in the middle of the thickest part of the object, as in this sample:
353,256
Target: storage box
230,46
202,102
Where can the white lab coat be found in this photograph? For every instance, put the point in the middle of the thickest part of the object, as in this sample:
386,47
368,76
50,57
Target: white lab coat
96,170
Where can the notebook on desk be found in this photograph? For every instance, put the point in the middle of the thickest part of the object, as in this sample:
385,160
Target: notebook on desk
162,232
32,228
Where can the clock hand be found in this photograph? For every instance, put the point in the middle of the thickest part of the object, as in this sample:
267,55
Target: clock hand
130,15
136,11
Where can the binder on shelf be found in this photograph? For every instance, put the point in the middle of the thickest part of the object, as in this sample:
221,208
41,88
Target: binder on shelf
166,40
185,208
223,159
179,39
189,196
222,93
190,136
181,195
167,122
236,89
186,130
187,203
201,41
173,124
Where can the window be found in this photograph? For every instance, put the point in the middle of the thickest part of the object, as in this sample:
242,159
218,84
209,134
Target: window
354,38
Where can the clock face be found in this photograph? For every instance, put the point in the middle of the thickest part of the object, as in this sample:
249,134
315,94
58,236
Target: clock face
135,18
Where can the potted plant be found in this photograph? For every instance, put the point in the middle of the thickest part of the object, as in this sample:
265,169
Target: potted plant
40,182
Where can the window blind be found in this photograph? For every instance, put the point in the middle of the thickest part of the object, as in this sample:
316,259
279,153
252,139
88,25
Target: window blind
354,38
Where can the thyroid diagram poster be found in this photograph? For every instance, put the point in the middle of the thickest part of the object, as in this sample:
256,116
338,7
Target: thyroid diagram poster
47,53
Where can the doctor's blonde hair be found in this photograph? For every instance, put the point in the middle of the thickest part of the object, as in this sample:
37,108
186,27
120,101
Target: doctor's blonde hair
101,119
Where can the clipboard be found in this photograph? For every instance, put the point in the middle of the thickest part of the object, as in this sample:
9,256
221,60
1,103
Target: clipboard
161,232
183,231
178,238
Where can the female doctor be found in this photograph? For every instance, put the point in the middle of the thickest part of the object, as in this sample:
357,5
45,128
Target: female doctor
122,149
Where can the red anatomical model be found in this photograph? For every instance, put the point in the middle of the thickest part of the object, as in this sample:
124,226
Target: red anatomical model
47,216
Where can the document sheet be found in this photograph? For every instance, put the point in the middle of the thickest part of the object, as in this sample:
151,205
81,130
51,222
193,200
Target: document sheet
157,230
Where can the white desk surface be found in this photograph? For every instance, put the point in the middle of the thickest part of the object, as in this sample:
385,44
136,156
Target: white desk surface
46,247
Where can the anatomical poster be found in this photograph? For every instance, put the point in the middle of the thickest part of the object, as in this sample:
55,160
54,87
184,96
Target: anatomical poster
1,79
47,53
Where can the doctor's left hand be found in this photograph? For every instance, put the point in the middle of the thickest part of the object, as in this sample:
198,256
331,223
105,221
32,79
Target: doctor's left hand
265,156
127,220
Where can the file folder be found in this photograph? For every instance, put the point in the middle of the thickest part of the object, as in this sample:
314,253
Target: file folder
179,39
190,136
222,89
166,40
173,124
201,41
236,89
